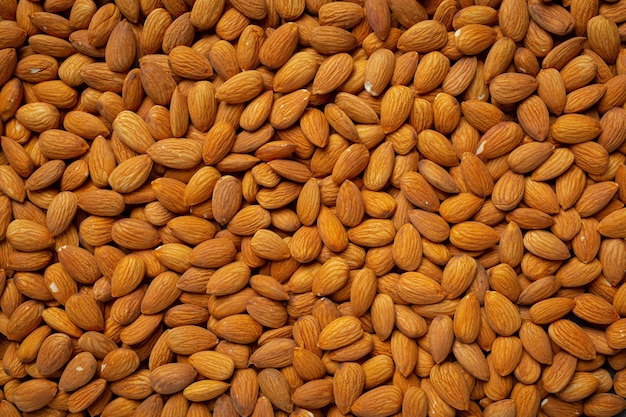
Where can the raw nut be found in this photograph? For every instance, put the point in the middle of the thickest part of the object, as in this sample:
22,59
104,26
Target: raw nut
570,337
447,379
474,38
54,353
341,194
502,314
423,37
78,372
387,400
34,394
27,235
510,88
340,332
172,378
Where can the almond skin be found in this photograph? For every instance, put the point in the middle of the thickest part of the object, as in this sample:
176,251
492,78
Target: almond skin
34,394
387,398
172,377
564,332
312,207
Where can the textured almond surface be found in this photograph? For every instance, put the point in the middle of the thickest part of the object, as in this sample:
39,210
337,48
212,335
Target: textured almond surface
314,208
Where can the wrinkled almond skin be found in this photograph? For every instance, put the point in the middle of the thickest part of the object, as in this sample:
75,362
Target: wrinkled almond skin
311,207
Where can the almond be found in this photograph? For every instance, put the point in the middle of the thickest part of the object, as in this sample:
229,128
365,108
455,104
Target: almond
388,400
34,394
171,378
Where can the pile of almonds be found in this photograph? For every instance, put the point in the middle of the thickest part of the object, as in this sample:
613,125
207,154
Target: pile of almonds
312,208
